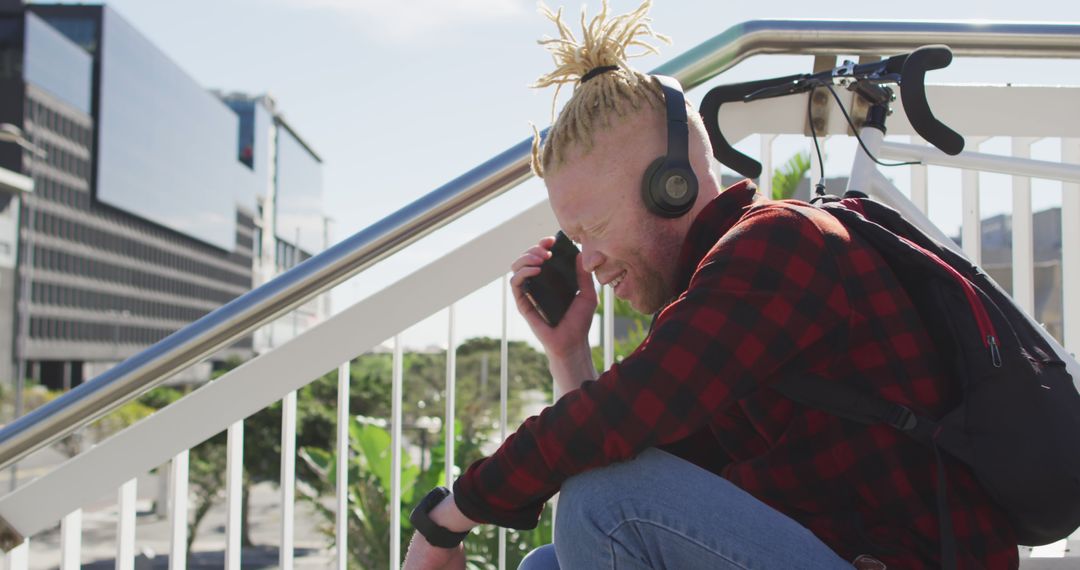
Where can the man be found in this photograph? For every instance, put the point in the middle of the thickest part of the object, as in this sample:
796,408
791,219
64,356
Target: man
682,456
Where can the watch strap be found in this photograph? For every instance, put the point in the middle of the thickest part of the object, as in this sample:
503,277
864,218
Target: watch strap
435,534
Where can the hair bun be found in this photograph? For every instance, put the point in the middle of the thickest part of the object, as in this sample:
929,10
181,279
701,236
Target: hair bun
606,41
599,61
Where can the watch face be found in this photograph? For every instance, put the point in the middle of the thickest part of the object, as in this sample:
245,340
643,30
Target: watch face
434,497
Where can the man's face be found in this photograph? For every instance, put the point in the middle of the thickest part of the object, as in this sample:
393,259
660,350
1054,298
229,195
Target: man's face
596,197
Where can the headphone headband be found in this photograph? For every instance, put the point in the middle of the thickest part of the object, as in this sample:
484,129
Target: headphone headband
677,128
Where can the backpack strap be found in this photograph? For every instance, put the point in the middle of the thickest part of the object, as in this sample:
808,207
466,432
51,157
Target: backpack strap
852,404
948,537
855,405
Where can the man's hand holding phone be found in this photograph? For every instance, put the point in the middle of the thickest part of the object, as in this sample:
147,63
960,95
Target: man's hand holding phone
566,343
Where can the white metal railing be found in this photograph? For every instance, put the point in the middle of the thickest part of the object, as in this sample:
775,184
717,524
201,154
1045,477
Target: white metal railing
1070,250
341,522
234,492
269,378
262,305
167,436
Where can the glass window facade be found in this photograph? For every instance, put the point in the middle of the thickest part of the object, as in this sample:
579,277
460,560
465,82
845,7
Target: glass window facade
245,110
264,129
253,148
57,65
167,148
299,193
11,47
82,30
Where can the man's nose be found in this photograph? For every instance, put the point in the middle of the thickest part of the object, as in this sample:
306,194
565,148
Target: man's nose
591,259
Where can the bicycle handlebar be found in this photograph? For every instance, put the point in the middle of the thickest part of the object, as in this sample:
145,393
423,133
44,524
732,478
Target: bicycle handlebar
909,70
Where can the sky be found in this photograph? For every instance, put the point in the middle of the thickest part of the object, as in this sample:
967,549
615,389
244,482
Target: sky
400,96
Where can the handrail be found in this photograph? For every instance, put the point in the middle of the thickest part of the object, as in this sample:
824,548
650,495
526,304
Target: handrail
870,37
241,316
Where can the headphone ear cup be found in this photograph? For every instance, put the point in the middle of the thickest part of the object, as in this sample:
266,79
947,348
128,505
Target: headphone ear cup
652,193
669,190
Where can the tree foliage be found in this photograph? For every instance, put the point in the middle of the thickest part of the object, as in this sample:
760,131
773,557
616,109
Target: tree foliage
369,493
786,179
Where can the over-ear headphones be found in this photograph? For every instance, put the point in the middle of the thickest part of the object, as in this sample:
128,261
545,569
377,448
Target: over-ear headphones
669,188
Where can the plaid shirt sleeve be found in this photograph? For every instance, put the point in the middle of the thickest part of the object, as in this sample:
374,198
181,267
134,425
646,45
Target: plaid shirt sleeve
766,292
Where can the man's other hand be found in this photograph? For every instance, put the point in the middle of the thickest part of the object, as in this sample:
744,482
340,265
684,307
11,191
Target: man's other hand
423,556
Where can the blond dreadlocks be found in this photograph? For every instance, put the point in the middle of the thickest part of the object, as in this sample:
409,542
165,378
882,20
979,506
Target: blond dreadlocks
615,93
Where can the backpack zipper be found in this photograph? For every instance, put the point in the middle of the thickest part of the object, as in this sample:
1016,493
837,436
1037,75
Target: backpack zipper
982,318
995,353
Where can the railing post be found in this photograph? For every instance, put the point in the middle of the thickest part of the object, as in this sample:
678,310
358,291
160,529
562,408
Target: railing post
609,326
765,181
125,525
288,479
1023,267
395,457
919,181
71,540
1070,251
18,558
341,522
234,494
178,511
161,502
451,391
504,389
971,225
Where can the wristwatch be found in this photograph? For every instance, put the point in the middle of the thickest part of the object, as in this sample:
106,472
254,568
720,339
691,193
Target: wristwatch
439,536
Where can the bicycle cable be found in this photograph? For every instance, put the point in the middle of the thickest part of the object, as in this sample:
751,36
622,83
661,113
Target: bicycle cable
819,188
859,138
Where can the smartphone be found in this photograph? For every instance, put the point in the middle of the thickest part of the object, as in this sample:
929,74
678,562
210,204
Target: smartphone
552,291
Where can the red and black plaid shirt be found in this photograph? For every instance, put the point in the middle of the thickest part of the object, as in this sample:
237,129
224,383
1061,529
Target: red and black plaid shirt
769,289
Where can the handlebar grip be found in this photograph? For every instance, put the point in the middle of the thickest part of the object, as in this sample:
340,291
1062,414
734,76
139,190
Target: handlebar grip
710,114
913,91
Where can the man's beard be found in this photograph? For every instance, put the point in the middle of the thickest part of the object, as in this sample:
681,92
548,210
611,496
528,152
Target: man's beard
654,288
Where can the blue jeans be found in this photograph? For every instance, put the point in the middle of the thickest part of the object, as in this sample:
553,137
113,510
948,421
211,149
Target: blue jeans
659,511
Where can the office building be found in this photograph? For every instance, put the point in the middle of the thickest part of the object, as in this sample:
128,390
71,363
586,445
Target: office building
154,199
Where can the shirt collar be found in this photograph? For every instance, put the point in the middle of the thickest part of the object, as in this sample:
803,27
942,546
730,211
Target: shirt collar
714,220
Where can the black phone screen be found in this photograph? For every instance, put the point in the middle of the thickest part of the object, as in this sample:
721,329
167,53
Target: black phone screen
552,291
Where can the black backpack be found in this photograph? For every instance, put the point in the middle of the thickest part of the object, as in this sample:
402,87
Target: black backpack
1017,424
